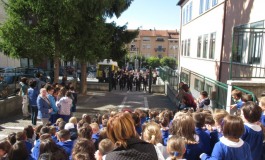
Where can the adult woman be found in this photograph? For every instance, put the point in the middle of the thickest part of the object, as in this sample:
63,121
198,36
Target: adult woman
44,106
121,131
33,93
24,93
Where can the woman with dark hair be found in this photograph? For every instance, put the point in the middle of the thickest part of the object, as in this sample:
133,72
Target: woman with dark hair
49,150
121,131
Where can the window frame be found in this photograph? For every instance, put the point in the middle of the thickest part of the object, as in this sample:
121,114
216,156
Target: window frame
198,85
205,46
212,45
201,6
207,5
199,47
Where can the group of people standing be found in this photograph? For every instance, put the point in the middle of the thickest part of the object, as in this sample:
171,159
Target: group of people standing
47,101
128,79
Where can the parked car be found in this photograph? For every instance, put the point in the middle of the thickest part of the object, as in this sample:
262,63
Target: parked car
34,71
6,71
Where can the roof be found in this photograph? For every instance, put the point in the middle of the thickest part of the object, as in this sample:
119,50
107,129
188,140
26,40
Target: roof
180,2
157,33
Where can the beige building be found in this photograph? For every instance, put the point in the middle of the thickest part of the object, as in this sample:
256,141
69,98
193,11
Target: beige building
155,43
6,61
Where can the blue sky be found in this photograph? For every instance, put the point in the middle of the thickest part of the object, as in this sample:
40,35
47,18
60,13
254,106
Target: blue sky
150,14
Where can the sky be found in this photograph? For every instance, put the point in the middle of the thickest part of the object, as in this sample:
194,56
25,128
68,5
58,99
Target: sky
150,14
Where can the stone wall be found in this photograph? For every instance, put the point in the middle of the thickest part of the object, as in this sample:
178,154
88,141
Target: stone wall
257,87
10,106
97,86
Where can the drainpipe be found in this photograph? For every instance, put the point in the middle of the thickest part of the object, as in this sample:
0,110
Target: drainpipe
222,45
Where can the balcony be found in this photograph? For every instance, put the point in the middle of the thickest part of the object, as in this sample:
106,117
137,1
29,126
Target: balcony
134,49
160,49
160,40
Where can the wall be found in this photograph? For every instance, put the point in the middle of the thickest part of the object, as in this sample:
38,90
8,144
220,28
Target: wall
247,11
208,22
10,106
6,61
98,86
257,87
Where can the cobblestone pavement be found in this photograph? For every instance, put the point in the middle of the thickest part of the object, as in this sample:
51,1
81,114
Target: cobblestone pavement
98,102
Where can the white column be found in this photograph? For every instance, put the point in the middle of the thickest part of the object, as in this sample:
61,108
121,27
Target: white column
228,99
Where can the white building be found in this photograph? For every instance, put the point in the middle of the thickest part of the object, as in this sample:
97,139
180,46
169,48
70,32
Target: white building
6,61
221,40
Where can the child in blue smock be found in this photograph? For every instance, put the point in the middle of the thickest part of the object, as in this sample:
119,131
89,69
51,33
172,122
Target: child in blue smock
230,146
253,134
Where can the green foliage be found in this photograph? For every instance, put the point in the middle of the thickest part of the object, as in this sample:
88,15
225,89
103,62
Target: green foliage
153,62
168,61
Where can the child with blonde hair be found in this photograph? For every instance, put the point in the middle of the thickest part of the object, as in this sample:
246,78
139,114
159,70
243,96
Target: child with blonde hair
175,148
153,135
104,147
184,126
218,117
95,135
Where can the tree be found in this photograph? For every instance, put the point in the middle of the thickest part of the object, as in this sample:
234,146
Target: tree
90,38
168,61
153,62
63,28
35,29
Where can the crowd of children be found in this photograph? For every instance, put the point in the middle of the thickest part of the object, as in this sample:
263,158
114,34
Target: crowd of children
183,135
192,133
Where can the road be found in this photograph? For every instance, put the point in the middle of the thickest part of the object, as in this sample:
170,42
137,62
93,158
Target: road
98,102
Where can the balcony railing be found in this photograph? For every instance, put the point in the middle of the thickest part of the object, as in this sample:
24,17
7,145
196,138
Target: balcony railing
134,49
160,49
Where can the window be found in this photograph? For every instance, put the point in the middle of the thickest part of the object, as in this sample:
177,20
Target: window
190,11
159,48
212,46
205,44
209,89
199,46
248,43
184,17
214,2
160,39
184,77
255,43
187,14
146,39
238,47
146,46
182,47
201,7
207,5
188,48
198,85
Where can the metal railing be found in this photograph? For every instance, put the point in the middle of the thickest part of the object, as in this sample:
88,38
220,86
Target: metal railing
217,91
247,60
169,75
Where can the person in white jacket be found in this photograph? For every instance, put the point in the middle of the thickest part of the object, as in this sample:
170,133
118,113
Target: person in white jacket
64,105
